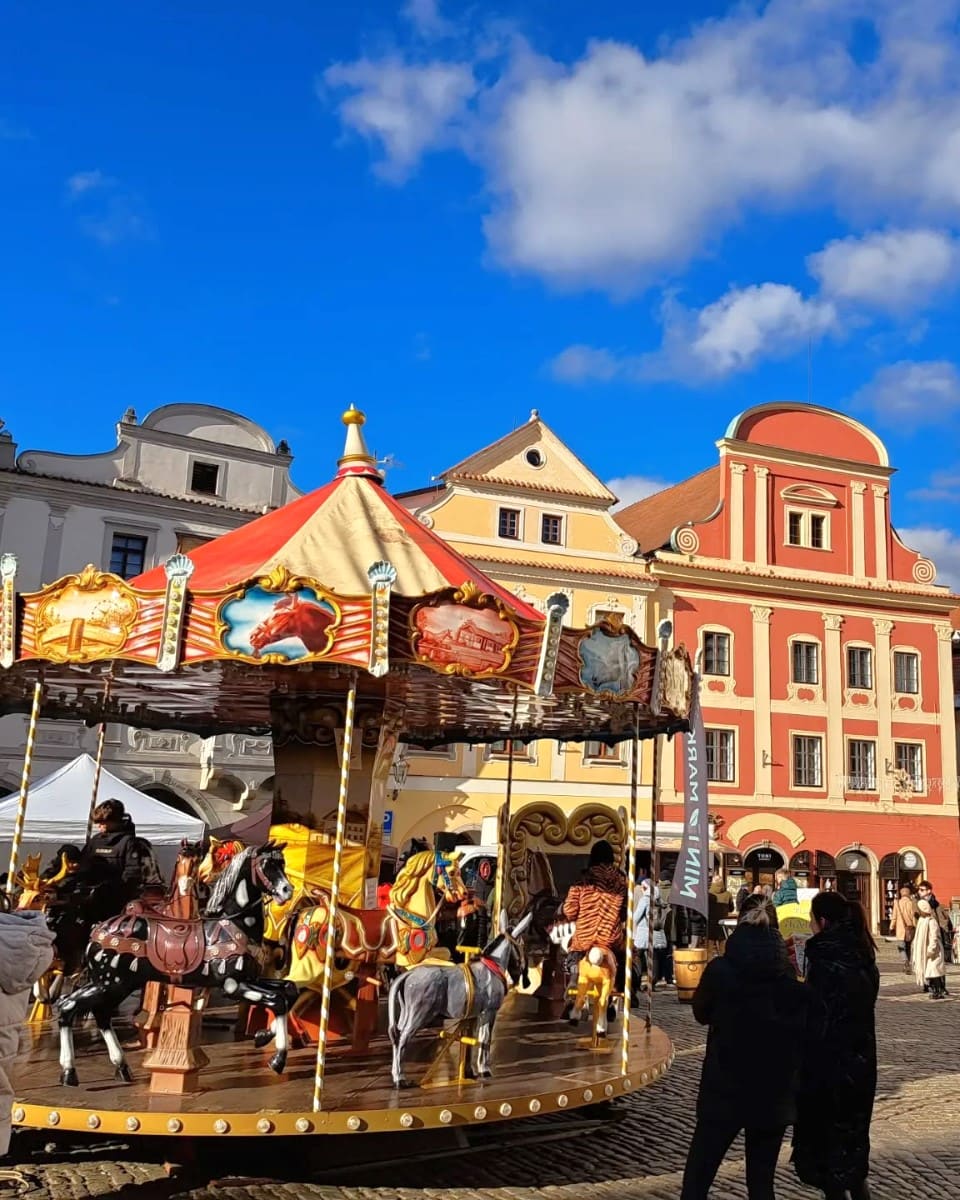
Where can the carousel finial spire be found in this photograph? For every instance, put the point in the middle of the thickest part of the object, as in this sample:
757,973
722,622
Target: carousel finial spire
356,458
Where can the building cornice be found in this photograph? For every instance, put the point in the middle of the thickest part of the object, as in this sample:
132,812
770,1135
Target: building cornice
192,445
670,569
802,458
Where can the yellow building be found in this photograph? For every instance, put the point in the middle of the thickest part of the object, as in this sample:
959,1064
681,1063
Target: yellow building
530,514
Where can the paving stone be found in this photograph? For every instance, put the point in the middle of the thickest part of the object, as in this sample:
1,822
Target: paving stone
637,1152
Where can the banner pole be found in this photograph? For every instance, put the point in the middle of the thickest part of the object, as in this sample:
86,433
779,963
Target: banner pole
98,766
654,881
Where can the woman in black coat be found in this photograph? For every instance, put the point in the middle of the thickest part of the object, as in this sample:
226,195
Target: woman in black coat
755,1007
831,1143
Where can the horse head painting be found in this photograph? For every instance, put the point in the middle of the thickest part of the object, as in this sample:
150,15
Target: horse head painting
294,617
474,992
223,948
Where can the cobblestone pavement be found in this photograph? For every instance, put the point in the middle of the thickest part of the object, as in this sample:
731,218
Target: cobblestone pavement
635,1148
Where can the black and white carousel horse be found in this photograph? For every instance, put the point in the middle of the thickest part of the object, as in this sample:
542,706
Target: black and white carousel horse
222,949
476,992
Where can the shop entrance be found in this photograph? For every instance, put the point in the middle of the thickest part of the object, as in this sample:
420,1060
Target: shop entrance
761,866
814,869
853,877
895,871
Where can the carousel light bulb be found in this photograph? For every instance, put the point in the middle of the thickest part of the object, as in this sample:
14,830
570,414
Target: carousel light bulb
264,1126
221,1126
446,1116
93,1121
174,1125
406,1120
353,1123
506,1110
302,1125
132,1124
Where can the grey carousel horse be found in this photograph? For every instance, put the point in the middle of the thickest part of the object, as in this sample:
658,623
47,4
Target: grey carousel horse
427,993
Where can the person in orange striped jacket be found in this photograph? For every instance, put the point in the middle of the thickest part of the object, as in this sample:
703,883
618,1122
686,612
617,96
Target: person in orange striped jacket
598,907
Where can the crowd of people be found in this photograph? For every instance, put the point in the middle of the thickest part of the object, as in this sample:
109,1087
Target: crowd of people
924,933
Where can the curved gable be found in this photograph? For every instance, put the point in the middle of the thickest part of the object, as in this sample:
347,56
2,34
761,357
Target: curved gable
810,429
206,423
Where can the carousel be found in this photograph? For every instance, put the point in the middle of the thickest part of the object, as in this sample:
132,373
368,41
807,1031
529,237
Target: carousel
267,992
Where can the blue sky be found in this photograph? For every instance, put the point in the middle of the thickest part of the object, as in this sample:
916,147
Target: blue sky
451,213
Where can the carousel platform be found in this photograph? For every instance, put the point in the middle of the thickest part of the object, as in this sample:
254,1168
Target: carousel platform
539,1065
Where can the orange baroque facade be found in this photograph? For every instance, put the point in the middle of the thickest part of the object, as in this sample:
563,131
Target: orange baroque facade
825,651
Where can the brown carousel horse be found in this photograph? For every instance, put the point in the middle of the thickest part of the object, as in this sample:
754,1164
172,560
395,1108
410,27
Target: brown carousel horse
294,617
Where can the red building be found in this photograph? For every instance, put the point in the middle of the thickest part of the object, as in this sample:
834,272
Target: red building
826,657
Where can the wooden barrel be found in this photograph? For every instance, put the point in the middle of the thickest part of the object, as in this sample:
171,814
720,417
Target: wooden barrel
687,968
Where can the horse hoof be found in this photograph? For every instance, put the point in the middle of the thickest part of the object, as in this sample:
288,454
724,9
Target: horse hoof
263,1037
279,1062
122,1074
486,1074
69,1078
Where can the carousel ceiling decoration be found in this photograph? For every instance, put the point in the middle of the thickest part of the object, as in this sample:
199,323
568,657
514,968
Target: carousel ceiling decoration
343,580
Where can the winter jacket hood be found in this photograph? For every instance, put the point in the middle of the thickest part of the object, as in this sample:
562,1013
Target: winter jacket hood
786,893
26,950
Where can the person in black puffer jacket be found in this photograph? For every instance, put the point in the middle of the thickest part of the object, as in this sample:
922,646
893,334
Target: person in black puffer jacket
111,863
756,1009
831,1138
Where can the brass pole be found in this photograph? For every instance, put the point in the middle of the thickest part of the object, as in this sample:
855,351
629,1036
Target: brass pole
330,949
631,886
24,787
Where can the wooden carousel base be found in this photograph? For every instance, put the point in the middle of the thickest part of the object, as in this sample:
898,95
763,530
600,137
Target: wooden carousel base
539,1066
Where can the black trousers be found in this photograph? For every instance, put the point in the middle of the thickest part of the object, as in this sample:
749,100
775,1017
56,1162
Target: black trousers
712,1140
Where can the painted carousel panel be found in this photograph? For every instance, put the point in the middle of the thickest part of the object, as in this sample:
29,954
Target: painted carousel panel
539,1066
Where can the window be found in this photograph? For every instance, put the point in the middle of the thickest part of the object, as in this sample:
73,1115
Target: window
551,530
716,653
806,662
509,523
521,751
128,552
204,478
720,755
906,672
190,541
859,667
809,529
535,457
908,757
861,765
601,751
807,762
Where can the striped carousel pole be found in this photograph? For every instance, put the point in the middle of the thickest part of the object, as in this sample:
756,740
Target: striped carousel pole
24,787
664,633
98,765
631,886
335,892
500,888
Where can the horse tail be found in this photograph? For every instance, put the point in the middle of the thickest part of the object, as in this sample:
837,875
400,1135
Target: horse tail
395,1008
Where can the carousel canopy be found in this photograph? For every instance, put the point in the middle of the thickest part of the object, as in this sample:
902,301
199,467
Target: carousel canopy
260,628
59,809
333,535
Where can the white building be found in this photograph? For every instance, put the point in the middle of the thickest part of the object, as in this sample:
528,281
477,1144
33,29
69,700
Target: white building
185,474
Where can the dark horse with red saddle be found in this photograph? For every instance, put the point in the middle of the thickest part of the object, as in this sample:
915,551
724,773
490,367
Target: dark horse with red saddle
294,617
222,949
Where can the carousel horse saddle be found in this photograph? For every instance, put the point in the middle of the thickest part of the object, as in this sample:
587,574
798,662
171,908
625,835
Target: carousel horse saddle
173,948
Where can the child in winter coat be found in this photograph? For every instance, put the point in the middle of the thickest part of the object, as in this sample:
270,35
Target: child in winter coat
929,964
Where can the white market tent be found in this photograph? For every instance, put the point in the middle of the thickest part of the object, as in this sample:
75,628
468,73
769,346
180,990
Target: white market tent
58,808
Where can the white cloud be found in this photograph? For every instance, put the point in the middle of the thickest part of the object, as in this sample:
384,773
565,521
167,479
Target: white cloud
87,181
426,18
895,271
407,109
616,170
106,211
944,485
581,364
724,338
630,488
913,393
941,546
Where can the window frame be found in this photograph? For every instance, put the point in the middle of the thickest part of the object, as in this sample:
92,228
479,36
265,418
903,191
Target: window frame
800,640
726,731
607,756
918,745
551,516
804,518
140,536
710,631
501,510
524,753
907,651
860,648
871,784
807,736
